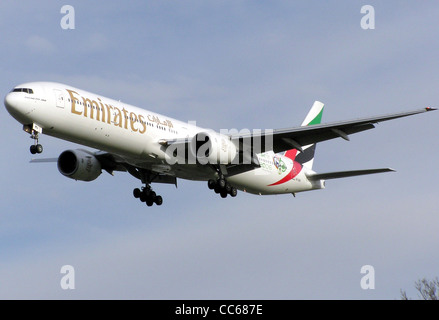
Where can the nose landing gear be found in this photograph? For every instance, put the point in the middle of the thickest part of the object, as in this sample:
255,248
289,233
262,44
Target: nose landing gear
34,131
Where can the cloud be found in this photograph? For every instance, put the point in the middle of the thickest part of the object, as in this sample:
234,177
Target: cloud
95,43
41,45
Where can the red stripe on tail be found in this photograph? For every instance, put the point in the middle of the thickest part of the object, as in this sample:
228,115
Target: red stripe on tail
291,154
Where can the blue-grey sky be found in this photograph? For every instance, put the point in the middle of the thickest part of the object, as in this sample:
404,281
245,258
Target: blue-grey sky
227,64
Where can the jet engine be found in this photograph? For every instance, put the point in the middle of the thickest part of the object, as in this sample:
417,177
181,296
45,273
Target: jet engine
79,165
212,147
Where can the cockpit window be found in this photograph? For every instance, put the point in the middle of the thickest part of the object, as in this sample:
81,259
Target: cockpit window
27,90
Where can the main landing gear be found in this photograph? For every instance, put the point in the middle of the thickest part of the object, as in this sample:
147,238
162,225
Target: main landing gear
222,187
147,195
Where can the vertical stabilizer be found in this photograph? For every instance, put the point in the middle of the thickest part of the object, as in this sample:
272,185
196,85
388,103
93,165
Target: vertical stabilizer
314,115
306,158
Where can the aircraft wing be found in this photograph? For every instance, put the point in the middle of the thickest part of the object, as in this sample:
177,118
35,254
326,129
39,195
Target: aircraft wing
285,139
112,162
346,174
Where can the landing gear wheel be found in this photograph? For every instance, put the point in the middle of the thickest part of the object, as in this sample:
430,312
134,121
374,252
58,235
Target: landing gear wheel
36,148
211,184
137,193
221,182
158,200
39,148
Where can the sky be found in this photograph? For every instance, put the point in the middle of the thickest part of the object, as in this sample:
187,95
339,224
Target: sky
227,64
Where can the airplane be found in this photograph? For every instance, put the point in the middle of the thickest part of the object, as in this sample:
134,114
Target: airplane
155,148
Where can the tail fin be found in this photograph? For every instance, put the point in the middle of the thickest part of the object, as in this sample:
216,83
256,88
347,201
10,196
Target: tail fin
314,115
306,158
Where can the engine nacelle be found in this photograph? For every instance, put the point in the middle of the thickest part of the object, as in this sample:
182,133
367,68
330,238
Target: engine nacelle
212,147
79,165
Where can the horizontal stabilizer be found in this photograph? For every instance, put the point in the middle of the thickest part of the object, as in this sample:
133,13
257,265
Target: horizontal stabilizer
44,160
345,174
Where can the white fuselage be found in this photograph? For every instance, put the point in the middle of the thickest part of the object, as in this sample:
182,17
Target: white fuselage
134,134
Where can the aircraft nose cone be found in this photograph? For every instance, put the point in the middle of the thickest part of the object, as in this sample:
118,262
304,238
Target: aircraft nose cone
11,102
16,107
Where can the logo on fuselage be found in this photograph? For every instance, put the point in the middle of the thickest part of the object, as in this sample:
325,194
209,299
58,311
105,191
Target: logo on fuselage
107,113
279,164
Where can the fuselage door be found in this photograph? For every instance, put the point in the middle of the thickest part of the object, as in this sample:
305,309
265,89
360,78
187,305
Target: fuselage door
59,98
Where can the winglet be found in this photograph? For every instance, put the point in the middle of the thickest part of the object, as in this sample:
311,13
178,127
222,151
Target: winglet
430,109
